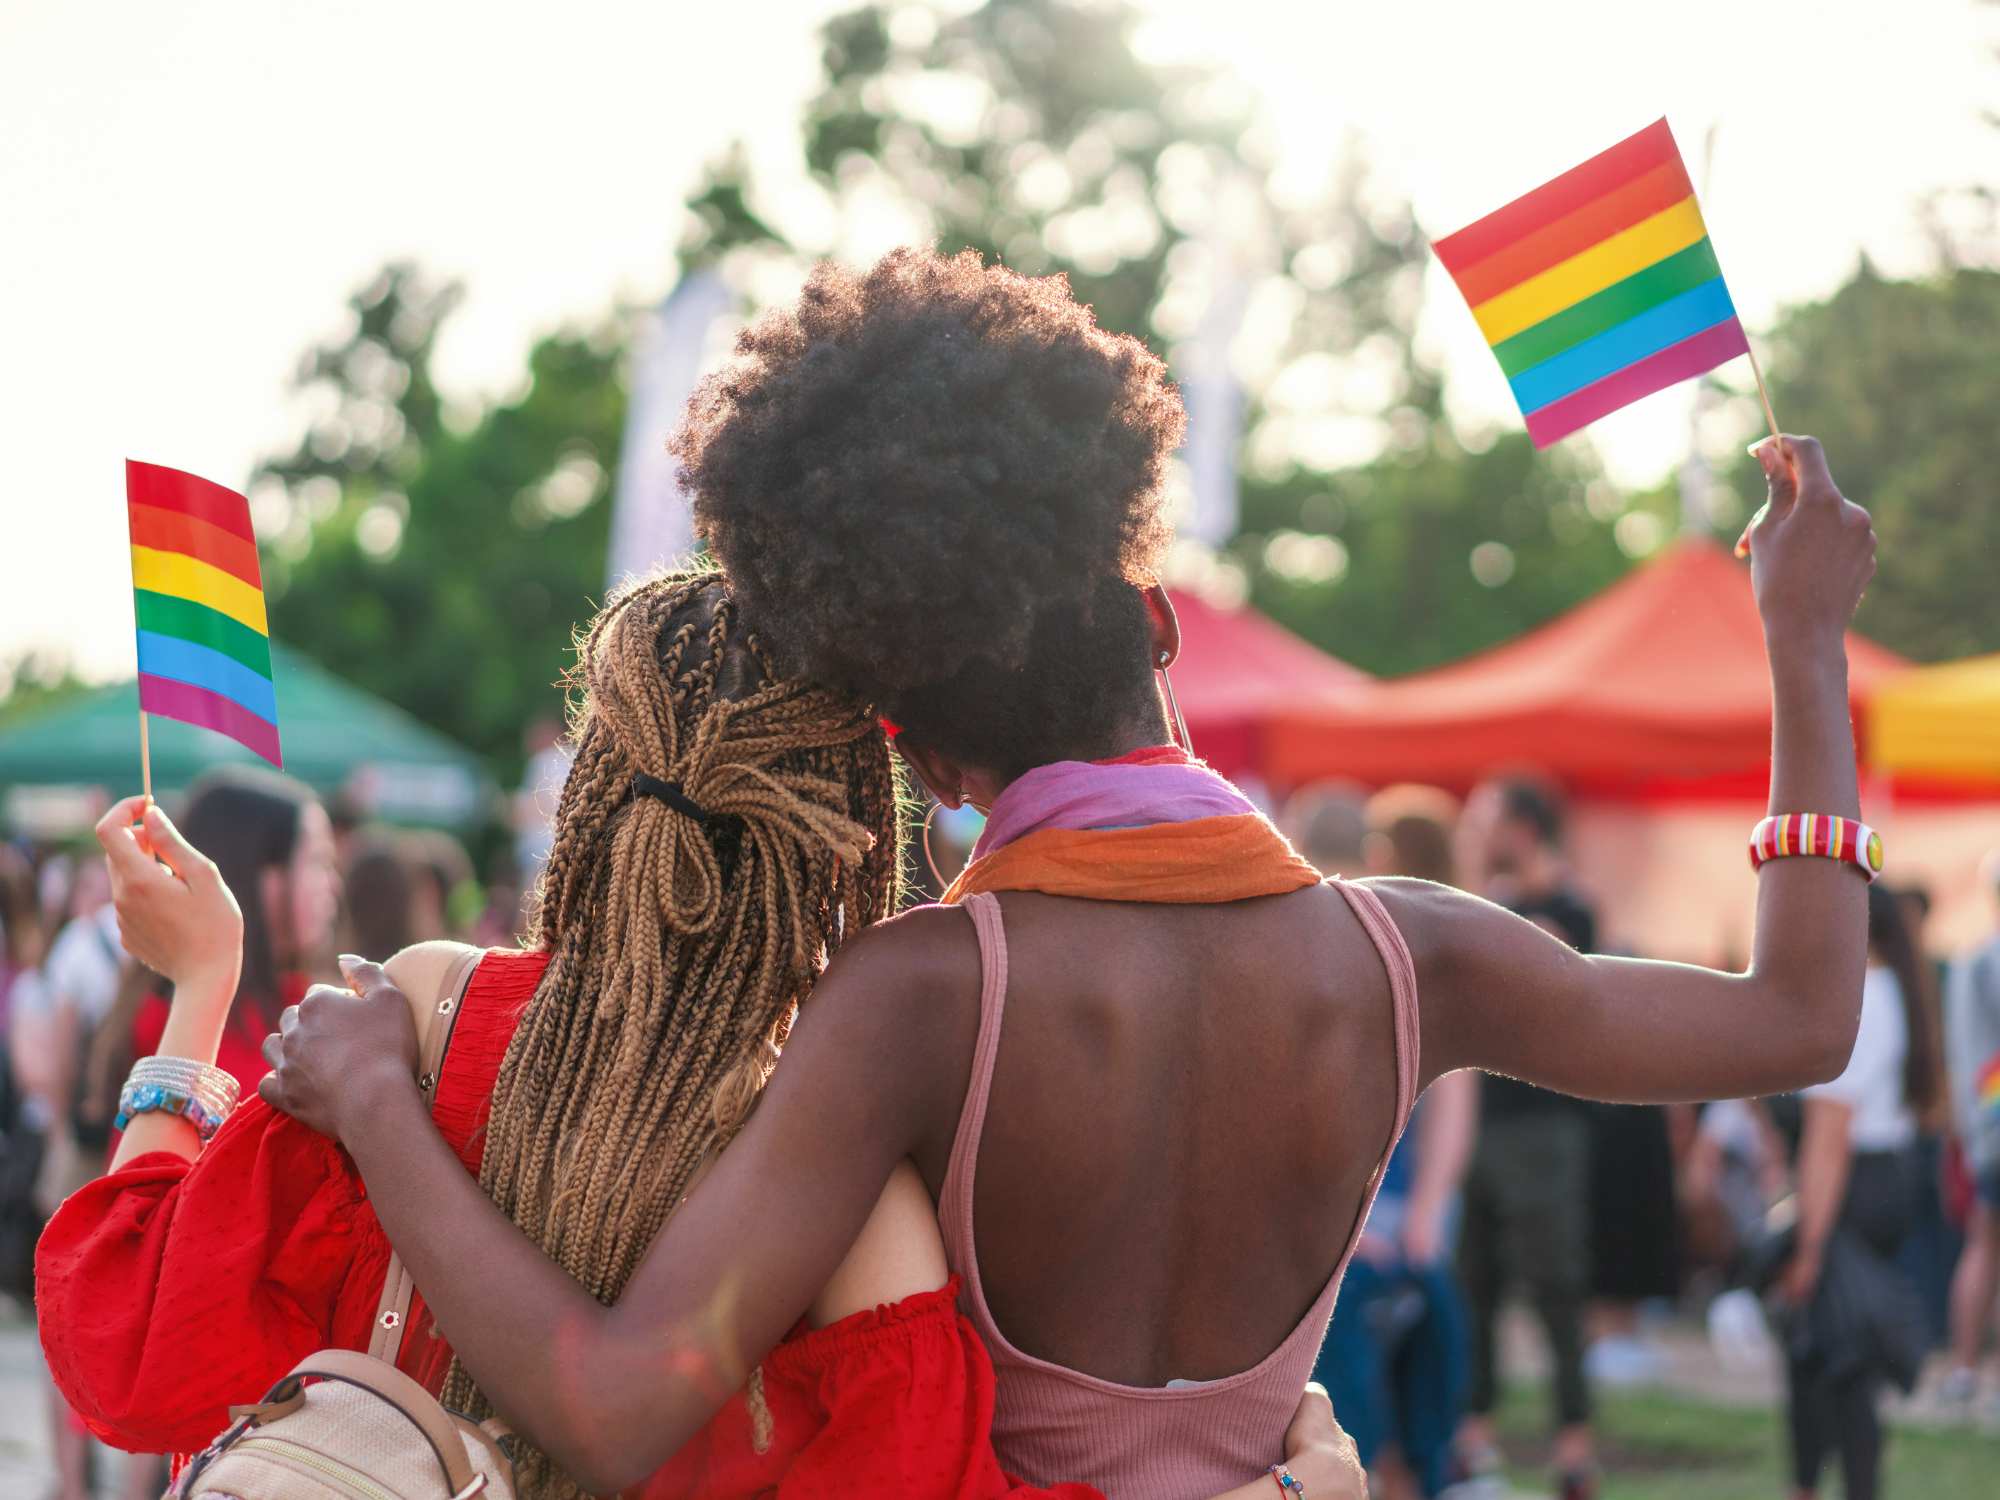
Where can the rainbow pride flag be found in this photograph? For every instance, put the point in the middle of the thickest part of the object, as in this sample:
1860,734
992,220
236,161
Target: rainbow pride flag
1599,287
204,645
1987,1087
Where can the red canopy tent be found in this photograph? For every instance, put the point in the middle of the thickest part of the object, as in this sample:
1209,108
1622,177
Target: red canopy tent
1657,687
1238,669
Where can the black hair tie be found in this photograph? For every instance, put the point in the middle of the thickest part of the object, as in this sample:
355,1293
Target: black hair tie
670,793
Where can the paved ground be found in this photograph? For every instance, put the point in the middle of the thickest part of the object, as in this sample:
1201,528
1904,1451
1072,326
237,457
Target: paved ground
25,1472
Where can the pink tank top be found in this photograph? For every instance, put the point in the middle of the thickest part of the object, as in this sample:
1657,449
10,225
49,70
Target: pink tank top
1139,1442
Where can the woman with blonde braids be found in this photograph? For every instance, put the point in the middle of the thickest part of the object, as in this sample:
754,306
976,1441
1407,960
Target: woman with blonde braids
723,829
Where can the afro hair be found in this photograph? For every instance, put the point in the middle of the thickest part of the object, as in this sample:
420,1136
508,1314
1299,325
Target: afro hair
909,472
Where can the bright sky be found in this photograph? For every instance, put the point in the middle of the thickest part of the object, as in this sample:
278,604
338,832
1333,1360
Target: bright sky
193,190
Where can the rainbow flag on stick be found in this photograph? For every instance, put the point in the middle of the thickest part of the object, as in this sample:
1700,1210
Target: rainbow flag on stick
1599,287
204,645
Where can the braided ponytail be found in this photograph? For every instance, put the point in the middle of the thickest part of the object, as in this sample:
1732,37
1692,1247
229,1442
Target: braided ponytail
680,945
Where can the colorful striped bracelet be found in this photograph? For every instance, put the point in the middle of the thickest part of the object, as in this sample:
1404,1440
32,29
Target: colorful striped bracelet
1818,833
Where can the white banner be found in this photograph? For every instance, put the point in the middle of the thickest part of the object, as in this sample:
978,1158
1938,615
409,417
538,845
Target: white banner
650,519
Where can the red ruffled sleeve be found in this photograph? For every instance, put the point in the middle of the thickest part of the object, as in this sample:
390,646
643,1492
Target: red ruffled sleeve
168,1291
894,1401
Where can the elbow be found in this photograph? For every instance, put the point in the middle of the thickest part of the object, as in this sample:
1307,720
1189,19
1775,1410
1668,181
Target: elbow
1826,1044
600,1478
607,1446
600,1465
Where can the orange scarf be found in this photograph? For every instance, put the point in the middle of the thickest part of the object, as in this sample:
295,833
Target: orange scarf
1206,859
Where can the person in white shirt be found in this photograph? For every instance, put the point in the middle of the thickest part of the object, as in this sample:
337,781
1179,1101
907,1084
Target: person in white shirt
1855,1173
1972,1031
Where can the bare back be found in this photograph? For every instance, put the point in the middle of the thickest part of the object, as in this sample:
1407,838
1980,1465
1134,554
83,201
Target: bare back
1187,1107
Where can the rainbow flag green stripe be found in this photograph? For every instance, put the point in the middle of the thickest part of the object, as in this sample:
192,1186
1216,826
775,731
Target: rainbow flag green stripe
164,614
1658,283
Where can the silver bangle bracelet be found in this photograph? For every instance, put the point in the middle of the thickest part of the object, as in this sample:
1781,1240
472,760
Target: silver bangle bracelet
202,1095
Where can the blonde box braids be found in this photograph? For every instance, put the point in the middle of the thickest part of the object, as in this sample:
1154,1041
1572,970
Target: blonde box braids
679,946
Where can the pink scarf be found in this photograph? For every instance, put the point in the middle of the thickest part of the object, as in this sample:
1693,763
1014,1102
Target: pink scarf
1155,825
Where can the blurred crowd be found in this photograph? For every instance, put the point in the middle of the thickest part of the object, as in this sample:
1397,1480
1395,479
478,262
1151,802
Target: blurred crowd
1601,1219
1845,1231
75,1010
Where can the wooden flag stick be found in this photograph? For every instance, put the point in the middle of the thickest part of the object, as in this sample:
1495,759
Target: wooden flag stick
1743,542
1762,394
145,759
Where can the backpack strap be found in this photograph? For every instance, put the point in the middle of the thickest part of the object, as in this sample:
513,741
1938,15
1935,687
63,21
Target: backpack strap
435,1018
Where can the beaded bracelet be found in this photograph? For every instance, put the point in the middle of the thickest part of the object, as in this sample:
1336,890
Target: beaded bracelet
1818,833
201,1095
1288,1482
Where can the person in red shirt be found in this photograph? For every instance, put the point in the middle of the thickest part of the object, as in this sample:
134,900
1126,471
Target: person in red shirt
723,829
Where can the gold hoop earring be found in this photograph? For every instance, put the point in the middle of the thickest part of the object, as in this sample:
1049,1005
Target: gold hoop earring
1180,724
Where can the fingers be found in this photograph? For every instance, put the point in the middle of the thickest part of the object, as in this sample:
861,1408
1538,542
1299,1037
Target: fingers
119,820
363,977
114,832
274,1054
1779,476
175,852
268,1090
287,1019
1809,465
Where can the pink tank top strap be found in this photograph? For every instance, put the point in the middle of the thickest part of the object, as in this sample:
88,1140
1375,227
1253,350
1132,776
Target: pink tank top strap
955,1207
1165,1443
1402,969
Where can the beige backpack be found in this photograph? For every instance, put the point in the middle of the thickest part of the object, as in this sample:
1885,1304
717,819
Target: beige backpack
350,1426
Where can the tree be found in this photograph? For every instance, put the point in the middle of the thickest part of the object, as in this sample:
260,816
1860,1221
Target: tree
1030,131
36,680
1902,379
445,565
1026,130
444,570
1368,527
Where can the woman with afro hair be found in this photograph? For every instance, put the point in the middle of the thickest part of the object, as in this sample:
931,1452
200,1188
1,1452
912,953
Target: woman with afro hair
1147,1065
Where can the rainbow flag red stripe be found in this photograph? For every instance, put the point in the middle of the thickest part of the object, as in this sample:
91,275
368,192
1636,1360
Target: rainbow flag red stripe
197,593
1598,287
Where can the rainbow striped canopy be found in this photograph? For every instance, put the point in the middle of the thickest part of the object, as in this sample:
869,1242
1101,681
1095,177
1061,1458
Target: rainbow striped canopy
204,645
1599,287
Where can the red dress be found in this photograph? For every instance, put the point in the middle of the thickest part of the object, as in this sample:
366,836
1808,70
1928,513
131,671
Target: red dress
169,1291
241,1051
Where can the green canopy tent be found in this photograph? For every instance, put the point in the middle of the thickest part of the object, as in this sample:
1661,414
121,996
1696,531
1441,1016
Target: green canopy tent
337,738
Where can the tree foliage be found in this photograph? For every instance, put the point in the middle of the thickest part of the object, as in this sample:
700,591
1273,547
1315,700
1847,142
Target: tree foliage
444,565
443,570
1901,379
1032,132
1026,130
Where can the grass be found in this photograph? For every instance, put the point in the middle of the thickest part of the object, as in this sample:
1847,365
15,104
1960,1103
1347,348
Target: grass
1655,1446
